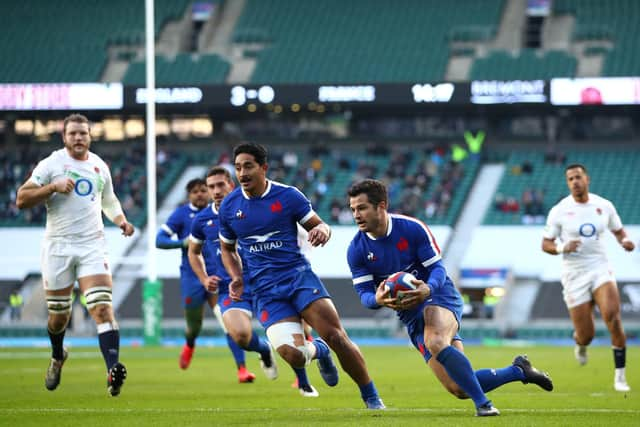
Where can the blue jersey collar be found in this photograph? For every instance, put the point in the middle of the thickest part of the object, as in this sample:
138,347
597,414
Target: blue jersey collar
266,191
389,228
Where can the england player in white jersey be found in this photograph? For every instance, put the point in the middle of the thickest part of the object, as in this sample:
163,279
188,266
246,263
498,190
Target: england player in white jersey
574,229
75,185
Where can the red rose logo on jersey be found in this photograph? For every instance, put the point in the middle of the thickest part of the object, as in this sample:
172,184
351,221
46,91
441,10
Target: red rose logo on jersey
96,169
402,244
276,207
599,211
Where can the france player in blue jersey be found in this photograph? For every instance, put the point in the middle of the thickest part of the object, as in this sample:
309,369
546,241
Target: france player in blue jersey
261,217
387,243
204,257
175,234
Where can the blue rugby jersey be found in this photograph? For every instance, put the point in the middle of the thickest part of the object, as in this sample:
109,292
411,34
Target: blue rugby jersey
265,228
408,246
179,223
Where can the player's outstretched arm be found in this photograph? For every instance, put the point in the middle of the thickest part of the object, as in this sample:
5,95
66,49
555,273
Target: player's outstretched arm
164,241
31,194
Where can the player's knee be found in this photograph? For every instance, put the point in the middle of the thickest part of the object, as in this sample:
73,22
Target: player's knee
242,338
611,316
584,338
59,308
99,303
288,340
292,355
337,339
58,323
436,343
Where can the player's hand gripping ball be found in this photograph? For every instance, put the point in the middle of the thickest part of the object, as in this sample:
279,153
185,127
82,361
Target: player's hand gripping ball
398,283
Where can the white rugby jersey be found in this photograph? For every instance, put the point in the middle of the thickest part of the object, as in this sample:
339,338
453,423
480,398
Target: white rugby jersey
570,220
76,215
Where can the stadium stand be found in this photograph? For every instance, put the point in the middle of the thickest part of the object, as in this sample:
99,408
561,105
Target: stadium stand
68,41
184,68
529,64
327,49
529,170
614,21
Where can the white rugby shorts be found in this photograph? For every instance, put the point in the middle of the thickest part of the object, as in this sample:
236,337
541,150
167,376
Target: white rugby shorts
578,285
64,262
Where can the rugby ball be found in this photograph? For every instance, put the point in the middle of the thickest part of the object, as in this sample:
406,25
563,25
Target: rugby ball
398,283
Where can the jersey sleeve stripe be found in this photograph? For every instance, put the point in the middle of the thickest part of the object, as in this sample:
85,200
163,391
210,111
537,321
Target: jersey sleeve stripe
168,229
195,239
431,260
363,279
227,241
307,217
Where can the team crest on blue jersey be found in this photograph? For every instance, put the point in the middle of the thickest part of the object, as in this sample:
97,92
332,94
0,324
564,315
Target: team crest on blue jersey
371,257
402,244
276,207
240,214
210,223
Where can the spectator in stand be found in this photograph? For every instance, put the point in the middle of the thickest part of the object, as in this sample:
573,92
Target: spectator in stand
510,205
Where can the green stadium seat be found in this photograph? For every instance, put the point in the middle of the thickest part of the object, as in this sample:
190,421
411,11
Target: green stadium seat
613,20
527,64
185,68
360,41
40,36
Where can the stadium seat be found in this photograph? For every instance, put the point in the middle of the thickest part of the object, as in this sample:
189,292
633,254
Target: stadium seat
44,42
393,44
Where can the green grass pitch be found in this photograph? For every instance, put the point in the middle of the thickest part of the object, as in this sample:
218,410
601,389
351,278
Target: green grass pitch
158,393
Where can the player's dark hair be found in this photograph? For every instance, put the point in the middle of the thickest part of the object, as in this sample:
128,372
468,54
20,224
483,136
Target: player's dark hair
375,190
575,166
76,118
219,170
195,182
258,152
